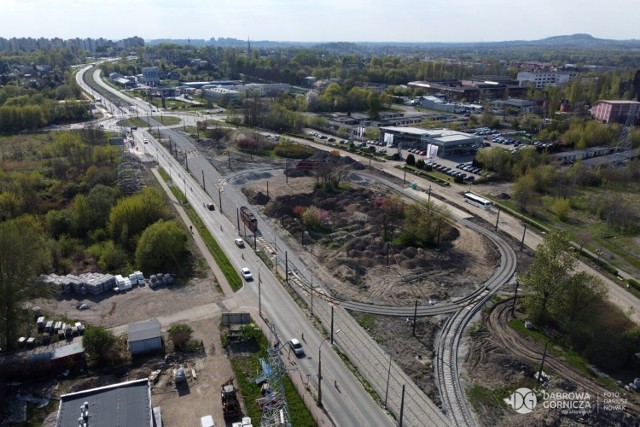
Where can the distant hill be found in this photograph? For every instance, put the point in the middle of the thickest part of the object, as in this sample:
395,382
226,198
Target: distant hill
570,41
574,40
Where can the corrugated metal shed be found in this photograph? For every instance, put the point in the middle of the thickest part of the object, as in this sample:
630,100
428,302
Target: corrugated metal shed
145,336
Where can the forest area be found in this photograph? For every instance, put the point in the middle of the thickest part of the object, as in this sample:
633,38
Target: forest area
62,211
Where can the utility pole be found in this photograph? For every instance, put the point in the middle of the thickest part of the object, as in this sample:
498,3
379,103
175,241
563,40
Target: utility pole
544,356
259,293
515,298
415,318
497,218
204,186
331,324
401,408
311,292
386,394
523,233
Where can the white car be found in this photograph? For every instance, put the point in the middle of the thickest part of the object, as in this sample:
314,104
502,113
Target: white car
239,243
246,273
296,347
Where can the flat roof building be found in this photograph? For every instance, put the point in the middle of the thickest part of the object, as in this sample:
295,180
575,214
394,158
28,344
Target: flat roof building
126,404
477,89
448,142
613,111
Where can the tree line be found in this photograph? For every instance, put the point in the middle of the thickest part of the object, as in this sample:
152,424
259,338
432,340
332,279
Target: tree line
573,303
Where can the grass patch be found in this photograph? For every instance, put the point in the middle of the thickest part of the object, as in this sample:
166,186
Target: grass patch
134,121
247,367
229,272
22,152
167,120
555,348
367,321
482,397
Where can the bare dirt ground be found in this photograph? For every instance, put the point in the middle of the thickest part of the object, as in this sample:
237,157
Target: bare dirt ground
351,260
141,303
181,405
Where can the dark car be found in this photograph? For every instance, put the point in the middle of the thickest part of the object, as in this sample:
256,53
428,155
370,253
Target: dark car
211,206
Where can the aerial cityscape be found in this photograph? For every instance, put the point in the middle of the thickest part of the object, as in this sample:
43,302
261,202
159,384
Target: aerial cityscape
302,221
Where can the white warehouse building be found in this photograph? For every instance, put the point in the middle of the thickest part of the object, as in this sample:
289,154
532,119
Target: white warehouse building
449,142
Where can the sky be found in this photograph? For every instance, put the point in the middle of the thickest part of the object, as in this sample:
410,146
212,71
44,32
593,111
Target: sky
320,20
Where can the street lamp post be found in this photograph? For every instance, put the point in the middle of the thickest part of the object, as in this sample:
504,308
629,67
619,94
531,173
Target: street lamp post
259,291
320,370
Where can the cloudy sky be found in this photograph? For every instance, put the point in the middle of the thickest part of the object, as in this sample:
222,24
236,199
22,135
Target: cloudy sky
320,20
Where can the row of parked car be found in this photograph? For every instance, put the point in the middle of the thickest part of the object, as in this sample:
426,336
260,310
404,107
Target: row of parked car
417,151
469,168
451,172
320,136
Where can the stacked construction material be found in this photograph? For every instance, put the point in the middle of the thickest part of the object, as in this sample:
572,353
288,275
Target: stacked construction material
97,283
93,283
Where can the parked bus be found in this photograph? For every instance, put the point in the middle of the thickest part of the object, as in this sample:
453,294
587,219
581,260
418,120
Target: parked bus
477,201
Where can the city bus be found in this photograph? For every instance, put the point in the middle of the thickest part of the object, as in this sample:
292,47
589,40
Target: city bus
477,201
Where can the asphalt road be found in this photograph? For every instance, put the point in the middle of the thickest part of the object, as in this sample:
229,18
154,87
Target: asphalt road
349,404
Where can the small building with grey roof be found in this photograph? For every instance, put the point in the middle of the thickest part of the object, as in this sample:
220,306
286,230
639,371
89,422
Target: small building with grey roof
144,337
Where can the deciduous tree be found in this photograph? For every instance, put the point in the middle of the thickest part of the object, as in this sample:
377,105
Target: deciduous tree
22,258
162,247
548,274
100,345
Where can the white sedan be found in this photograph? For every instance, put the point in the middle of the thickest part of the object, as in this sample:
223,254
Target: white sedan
246,273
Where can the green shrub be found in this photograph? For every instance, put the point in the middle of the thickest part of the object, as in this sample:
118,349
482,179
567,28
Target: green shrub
293,151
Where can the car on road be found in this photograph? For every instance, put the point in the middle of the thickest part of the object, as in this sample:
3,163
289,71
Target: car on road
296,347
146,141
246,273
239,243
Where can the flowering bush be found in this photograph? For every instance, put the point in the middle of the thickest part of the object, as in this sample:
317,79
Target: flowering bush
316,218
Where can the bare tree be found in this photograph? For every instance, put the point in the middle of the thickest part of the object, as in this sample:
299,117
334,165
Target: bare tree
583,237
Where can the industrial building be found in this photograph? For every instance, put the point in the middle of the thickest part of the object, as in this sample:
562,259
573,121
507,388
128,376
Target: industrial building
478,89
448,142
126,404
